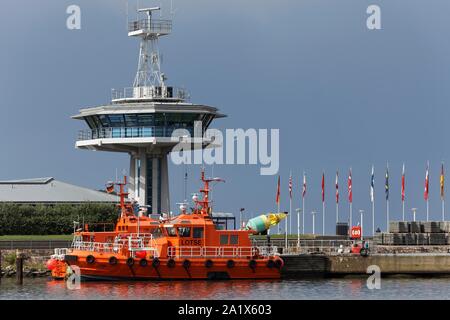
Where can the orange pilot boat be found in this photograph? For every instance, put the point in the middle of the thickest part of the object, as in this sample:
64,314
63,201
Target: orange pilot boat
187,246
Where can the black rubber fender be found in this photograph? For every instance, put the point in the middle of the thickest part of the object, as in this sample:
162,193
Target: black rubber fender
156,263
130,262
270,264
171,263
186,264
143,262
112,260
90,259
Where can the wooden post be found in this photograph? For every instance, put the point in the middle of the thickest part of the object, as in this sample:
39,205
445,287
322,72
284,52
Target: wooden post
0,266
19,268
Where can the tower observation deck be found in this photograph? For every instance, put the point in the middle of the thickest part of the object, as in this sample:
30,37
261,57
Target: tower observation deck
141,120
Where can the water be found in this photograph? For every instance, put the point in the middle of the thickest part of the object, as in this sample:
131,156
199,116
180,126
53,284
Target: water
347,288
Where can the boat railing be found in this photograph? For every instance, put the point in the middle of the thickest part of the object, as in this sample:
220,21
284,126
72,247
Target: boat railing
97,246
59,254
221,252
142,242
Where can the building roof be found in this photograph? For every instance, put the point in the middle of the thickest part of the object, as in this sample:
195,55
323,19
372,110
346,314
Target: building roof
49,190
227,215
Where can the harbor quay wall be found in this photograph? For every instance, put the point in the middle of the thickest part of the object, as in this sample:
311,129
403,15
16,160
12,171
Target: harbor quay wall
36,258
339,265
391,264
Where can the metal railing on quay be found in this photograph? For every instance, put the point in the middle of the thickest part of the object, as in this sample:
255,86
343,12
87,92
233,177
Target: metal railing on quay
33,244
306,246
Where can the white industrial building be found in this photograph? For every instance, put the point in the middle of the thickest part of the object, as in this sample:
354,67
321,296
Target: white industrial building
49,191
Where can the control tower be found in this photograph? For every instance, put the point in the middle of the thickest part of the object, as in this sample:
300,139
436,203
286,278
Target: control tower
141,120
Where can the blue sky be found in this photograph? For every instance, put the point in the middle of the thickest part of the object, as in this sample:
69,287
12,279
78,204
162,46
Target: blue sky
341,95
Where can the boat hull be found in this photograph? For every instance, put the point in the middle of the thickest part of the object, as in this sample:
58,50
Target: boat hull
101,269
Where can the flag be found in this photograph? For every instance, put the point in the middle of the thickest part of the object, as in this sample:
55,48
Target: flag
427,177
403,183
290,185
323,187
386,184
304,185
372,186
278,191
337,187
350,192
442,180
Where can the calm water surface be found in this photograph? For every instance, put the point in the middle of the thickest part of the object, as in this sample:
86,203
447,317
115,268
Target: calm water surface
355,288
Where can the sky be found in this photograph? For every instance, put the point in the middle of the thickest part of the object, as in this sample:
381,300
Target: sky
342,95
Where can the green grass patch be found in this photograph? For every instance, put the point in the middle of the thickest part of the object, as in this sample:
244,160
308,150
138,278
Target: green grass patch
37,237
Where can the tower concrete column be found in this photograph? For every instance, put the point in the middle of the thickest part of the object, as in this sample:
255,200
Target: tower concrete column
155,181
142,199
165,196
149,180
132,183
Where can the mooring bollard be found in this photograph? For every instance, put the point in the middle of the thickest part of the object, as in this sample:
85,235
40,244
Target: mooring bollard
19,268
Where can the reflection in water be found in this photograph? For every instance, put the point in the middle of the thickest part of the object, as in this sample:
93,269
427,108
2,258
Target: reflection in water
355,288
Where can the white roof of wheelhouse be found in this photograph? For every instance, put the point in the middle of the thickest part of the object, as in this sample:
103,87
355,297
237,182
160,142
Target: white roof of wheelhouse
50,191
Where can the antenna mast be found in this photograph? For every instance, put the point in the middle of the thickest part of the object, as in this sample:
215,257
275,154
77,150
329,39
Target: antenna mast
149,75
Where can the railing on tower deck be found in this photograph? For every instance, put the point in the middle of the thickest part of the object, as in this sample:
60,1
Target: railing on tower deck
221,252
150,92
156,26
129,132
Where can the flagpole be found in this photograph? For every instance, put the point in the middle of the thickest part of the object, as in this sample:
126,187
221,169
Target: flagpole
351,223
387,215
403,192
337,212
373,218
303,215
323,203
442,181
427,181
278,211
337,197
323,218
290,217
298,228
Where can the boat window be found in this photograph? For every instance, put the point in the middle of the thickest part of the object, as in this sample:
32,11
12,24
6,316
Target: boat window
233,239
184,232
171,232
198,233
156,233
224,239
